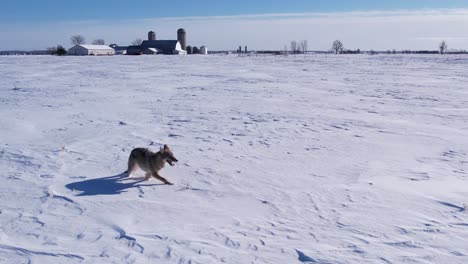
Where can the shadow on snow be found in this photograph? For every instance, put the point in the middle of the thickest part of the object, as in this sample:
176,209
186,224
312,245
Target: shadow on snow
107,185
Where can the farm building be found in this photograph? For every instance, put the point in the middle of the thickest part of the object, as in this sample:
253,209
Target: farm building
134,50
119,50
150,51
96,50
156,46
203,50
172,47
163,46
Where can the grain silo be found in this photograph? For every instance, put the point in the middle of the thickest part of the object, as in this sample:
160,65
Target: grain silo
195,50
181,37
203,50
151,35
189,49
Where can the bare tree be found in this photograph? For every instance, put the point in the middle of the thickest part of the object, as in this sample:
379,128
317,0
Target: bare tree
443,47
52,50
285,50
77,39
99,42
303,45
137,42
294,46
58,50
337,46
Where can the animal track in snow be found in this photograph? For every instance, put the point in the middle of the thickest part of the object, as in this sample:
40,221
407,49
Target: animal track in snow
131,241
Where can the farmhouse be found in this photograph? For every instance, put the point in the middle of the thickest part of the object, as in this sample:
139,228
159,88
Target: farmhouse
96,50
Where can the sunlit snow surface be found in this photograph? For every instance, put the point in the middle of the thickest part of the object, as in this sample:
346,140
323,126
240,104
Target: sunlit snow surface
314,159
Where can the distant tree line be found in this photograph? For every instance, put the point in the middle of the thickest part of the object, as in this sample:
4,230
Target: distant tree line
345,51
298,47
420,52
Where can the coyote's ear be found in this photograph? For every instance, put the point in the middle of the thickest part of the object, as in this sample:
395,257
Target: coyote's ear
166,147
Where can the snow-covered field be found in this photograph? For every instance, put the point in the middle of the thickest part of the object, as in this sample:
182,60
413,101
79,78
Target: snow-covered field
320,159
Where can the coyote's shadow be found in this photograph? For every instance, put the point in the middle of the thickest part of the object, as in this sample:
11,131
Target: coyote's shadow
107,185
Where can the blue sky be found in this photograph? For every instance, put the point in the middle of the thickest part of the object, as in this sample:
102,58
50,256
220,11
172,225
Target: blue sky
223,24
60,10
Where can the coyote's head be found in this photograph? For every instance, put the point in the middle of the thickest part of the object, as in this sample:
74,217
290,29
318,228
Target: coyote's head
167,155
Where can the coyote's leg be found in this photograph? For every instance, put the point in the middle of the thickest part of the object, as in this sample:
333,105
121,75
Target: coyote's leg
157,176
131,166
147,176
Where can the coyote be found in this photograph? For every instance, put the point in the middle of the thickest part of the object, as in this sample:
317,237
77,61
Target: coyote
150,162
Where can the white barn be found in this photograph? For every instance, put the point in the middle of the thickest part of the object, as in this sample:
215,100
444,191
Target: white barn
96,50
162,47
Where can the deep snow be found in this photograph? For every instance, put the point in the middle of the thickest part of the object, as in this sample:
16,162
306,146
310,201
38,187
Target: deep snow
314,159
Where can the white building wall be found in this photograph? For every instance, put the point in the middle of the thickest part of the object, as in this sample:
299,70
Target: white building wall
178,49
79,50
99,52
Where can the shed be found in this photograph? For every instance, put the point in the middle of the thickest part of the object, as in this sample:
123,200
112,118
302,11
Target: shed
96,50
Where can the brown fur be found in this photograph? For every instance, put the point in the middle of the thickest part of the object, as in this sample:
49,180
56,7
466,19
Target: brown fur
150,162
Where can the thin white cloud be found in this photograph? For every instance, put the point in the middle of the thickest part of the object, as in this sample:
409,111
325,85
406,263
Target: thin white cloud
381,30
441,37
